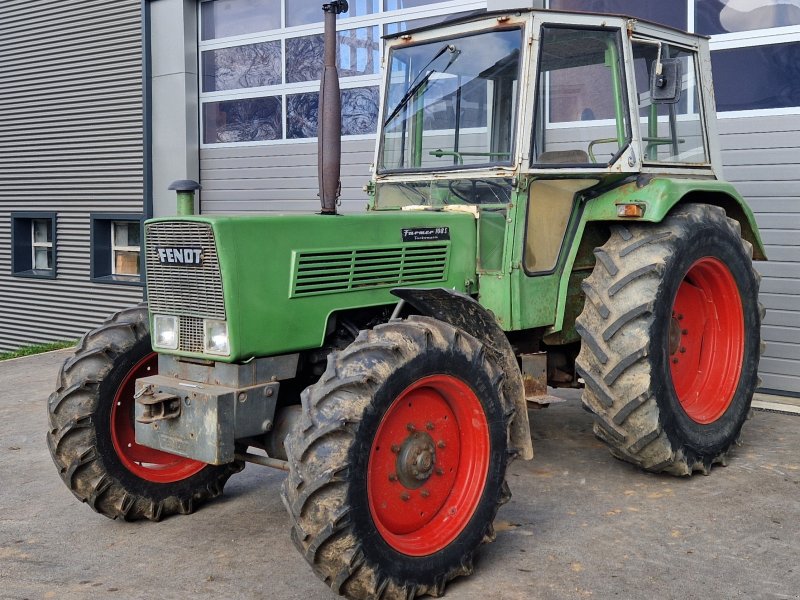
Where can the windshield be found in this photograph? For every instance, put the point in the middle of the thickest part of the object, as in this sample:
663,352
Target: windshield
452,103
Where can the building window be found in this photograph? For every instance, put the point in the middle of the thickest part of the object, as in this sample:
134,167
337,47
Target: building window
34,245
673,13
116,249
714,17
772,73
260,63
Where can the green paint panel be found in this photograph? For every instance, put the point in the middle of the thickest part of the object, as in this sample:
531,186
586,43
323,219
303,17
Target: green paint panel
660,195
283,275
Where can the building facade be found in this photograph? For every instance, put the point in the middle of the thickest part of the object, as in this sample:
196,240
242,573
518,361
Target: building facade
71,174
230,99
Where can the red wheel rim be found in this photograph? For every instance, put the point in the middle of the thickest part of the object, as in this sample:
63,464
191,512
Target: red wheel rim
706,340
147,463
428,465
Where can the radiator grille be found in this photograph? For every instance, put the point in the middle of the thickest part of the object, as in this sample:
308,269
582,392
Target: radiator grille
338,271
191,334
190,291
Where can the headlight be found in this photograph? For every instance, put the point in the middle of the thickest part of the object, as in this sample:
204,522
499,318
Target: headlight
165,332
215,338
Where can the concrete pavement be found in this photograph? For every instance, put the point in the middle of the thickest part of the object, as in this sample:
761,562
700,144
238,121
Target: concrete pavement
580,524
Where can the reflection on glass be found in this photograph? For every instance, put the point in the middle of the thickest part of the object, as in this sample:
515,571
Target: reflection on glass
486,191
249,120
724,16
358,53
303,12
252,65
399,4
126,233
392,28
301,115
359,112
41,231
670,132
580,79
223,18
43,258
435,111
658,11
772,74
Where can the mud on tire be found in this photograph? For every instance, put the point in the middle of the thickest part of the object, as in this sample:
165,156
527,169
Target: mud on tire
635,342
337,458
80,434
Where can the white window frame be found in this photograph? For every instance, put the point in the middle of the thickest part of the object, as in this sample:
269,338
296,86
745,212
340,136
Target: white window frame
381,19
115,249
45,244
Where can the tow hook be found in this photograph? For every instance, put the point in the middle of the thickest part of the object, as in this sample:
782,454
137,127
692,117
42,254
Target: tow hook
158,406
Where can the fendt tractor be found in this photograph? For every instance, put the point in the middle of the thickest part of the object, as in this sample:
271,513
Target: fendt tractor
546,210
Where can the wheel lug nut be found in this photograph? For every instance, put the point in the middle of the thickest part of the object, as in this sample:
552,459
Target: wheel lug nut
429,426
392,477
439,471
441,444
425,493
675,361
683,350
395,448
405,497
684,331
411,427
680,317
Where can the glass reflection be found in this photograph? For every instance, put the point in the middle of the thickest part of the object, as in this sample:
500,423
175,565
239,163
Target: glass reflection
358,53
252,65
359,112
248,120
223,18
725,16
304,12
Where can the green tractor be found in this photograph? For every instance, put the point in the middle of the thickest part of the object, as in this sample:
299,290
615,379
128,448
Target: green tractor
546,210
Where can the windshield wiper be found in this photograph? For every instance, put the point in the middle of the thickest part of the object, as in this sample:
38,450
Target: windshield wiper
415,87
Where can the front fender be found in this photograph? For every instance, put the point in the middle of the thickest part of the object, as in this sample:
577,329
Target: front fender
464,312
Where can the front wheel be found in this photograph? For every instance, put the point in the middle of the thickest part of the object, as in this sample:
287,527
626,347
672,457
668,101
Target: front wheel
397,466
92,439
670,340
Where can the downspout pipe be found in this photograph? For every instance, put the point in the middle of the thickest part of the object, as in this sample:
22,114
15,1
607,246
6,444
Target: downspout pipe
329,134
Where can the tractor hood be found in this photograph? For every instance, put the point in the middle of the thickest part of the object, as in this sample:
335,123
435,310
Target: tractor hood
272,282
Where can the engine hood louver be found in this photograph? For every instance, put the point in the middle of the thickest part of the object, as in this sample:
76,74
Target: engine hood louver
327,272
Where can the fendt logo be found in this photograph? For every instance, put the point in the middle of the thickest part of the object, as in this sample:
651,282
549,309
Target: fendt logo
180,256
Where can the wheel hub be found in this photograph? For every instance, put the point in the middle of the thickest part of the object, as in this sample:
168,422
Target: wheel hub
416,460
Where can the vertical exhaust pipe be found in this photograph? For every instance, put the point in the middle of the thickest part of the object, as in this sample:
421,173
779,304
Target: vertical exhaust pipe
329,128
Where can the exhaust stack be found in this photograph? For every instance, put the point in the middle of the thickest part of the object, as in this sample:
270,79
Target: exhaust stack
329,133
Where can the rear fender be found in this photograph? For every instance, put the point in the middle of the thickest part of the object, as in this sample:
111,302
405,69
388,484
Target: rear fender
464,312
657,196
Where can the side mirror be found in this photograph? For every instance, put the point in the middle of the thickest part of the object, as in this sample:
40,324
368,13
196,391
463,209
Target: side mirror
665,86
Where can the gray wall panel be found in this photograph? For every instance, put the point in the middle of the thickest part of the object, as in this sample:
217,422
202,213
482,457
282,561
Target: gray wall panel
70,143
279,177
761,155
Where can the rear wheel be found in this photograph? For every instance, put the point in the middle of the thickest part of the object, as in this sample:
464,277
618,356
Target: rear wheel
670,340
397,466
92,439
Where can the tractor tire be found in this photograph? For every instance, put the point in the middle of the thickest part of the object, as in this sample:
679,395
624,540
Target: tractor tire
397,465
91,436
671,340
